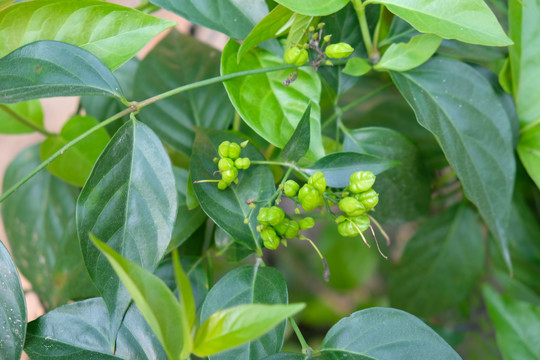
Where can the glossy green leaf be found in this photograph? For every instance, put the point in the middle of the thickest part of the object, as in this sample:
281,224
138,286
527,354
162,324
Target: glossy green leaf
268,28
404,191
338,167
275,118
228,208
384,334
187,221
470,21
297,31
157,303
517,325
529,153
111,32
459,106
298,144
231,250
249,285
406,56
525,58
75,164
52,68
78,331
187,302
314,7
234,326
129,202
286,356
12,308
234,18
5,3
174,118
441,263
40,218
357,67
29,110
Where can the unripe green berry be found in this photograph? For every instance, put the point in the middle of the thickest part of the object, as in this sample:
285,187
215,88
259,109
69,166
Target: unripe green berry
225,164
361,181
309,197
222,185
270,216
270,239
287,228
339,50
306,223
347,228
368,198
318,181
223,149
229,175
291,188
234,150
242,163
351,206
296,56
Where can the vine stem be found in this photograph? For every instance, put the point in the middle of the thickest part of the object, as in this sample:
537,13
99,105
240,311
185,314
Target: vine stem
305,347
361,14
135,108
23,120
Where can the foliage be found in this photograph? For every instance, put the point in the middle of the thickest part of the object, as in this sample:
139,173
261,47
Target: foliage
195,193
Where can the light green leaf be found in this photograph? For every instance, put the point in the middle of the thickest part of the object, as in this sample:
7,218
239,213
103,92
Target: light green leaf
357,67
381,334
517,326
111,32
29,110
406,56
298,144
469,21
458,105
266,105
5,3
529,152
75,164
435,273
234,326
297,32
155,300
314,7
186,294
12,308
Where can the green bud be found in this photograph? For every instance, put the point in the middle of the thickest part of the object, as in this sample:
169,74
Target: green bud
318,181
270,239
287,228
368,198
252,206
215,160
328,63
291,188
327,38
309,197
306,223
297,211
225,164
320,26
222,185
296,56
243,144
223,149
270,215
351,206
229,175
246,221
315,36
339,50
311,29
361,181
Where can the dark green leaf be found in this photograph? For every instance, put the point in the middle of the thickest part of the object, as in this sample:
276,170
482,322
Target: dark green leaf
78,331
80,23
52,68
275,118
298,144
441,263
226,245
174,118
39,217
75,164
286,356
30,110
384,334
517,326
12,308
228,208
129,201
406,56
314,7
338,167
529,153
249,285
460,108
404,191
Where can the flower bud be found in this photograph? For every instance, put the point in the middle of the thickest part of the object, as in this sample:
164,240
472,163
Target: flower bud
339,50
306,223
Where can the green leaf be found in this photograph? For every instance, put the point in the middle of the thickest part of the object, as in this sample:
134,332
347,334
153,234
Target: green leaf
286,356
187,302
271,26
75,164
5,3
338,167
314,7
406,56
231,250
297,31
529,152
234,326
228,208
470,21
157,303
111,32
12,308
275,118
381,333
52,68
459,106
76,331
357,67
298,144
39,217
29,110
249,285
234,18
187,221
435,272
404,191
525,58
132,183
174,118
517,325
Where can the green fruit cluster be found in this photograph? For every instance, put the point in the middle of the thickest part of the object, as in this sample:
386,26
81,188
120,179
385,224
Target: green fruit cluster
230,162
276,228
310,195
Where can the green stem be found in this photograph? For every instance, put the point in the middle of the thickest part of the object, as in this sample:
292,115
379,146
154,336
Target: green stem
530,126
26,122
361,13
305,347
377,31
281,163
237,122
